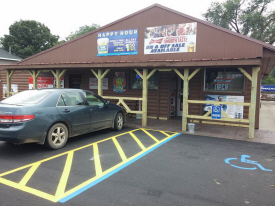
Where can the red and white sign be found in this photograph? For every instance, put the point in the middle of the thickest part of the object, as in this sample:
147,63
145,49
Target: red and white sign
93,83
45,82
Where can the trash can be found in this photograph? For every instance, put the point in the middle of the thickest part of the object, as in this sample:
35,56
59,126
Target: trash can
191,127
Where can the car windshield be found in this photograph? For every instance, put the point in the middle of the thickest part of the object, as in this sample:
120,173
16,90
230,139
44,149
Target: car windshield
27,97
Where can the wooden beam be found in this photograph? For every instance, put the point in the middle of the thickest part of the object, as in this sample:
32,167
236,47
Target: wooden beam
245,74
124,98
62,73
151,73
165,70
105,73
144,97
126,107
222,119
194,73
54,74
99,82
94,73
9,75
181,76
253,101
185,99
218,103
57,79
141,76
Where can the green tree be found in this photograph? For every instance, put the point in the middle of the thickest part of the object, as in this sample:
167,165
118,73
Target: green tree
81,31
28,37
254,18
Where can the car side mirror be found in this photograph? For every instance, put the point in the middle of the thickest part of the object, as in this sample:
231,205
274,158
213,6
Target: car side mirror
107,102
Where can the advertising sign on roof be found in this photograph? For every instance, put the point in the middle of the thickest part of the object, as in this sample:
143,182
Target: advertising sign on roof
174,38
113,43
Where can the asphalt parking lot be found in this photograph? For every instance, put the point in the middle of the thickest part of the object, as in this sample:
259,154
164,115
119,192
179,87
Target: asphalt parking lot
138,167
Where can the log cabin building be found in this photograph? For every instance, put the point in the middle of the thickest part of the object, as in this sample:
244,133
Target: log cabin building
158,63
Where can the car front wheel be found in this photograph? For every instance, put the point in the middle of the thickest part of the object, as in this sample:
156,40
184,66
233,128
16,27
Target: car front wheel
118,122
57,136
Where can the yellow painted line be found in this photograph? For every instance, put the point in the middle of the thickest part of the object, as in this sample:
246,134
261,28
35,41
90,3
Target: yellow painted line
98,167
28,175
27,189
156,140
65,175
60,193
138,141
50,158
161,131
109,170
119,149
165,133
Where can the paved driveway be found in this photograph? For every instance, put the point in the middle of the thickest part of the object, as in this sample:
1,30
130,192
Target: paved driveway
139,167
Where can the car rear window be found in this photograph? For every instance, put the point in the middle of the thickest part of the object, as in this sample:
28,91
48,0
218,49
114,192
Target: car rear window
27,97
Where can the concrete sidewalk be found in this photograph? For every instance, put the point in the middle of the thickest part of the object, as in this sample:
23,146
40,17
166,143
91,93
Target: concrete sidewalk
266,133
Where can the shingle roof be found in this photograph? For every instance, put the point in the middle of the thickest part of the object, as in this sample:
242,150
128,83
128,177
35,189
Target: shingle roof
6,55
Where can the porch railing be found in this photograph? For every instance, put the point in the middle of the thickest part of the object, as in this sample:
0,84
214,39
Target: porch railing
225,116
122,102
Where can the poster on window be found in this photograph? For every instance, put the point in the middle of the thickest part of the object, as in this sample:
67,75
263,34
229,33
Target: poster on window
173,38
233,111
93,83
45,82
119,82
14,88
114,43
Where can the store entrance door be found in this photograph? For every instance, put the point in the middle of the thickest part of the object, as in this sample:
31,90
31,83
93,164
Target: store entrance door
179,97
75,81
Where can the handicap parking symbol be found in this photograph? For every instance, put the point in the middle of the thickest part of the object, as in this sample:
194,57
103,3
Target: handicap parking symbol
251,162
216,112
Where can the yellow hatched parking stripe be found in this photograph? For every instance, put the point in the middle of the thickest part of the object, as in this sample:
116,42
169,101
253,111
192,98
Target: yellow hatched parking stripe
119,149
138,141
60,191
98,167
156,140
29,174
65,175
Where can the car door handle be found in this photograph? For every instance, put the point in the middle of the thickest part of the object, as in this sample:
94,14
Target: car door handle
66,110
92,110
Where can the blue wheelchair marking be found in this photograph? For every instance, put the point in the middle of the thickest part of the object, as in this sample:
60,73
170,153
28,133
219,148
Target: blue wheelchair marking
243,159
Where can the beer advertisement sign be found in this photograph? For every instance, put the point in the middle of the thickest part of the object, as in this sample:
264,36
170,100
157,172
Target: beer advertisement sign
114,43
174,38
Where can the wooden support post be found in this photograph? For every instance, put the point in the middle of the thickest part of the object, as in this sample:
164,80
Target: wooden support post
99,79
144,97
185,99
9,75
253,100
58,76
34,75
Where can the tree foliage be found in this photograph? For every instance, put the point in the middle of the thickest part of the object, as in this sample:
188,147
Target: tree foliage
81,31
28,37
254,18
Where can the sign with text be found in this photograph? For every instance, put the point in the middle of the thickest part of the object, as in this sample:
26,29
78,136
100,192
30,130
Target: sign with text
268,88
233,111
45,82
113,43
174,38
216,112
93,83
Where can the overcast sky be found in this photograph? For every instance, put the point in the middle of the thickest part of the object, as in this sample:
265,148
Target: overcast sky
65,16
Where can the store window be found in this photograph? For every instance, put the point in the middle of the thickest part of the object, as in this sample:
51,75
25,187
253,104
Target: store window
223,80
136,82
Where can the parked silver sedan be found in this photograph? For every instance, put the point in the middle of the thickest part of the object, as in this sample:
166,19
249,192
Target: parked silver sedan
51,116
